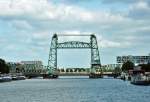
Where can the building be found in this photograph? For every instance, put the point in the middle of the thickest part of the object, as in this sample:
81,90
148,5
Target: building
27,67
134,59
111,66
32,65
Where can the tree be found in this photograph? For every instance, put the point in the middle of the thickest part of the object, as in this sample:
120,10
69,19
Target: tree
117,70
4,68
71,70
62,70
67,70
127,66
75,70
145,67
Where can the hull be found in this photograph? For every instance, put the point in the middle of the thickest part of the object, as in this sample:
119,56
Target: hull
3,79
141,82
19,78
47,76
95,76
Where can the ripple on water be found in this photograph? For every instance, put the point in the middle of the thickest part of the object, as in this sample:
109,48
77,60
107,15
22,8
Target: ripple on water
73,90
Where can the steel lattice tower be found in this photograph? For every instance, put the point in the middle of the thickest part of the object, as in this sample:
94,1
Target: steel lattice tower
95,57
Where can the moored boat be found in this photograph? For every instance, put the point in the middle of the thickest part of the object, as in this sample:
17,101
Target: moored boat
138,77
5,78
21,77
18,77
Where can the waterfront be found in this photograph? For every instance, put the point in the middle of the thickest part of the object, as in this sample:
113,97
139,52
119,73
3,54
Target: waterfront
73,90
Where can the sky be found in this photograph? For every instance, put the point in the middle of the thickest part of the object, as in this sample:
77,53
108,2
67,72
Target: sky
122,27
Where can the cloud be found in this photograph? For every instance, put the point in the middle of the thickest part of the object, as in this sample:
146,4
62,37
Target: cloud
21,24
44,13
30,24
140,10
107,43
119,1
73,1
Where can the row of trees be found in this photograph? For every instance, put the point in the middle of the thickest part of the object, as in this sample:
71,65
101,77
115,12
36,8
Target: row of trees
125,68
73,70
83,70
4,68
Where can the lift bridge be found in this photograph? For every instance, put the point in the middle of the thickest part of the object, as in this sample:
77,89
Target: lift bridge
95,57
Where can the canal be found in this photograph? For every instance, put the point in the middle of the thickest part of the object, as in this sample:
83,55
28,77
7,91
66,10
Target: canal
73,90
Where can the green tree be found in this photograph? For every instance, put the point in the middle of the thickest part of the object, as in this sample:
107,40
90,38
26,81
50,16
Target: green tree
127,66
67,70
117,70
145,67
71,70
75,70
62,70
4,68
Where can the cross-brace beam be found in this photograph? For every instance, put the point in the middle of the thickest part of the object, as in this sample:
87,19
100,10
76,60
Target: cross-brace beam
73,45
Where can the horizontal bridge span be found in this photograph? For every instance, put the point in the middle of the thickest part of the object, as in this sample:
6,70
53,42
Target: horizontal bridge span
74,44
74,34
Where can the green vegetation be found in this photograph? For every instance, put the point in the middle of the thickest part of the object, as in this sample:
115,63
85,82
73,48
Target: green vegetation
127,66
117,71
145,67
4,68
107,69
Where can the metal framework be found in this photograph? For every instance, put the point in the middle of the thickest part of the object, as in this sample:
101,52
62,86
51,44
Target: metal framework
95,58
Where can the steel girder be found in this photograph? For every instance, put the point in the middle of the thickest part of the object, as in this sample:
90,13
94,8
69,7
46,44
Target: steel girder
95,57
73,45
52,61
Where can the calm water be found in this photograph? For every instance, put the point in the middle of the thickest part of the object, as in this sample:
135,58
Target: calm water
73,90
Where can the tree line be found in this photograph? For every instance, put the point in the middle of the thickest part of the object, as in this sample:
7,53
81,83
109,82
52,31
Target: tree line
4,67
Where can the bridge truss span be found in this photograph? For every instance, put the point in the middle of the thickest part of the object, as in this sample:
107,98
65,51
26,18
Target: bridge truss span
95,57
73,45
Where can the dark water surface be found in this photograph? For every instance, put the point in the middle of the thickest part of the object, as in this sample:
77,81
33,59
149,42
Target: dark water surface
73,90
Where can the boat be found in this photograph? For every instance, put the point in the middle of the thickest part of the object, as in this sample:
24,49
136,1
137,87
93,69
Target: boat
95,76
5,78
50,76
18,77
21,77
14,77
138,77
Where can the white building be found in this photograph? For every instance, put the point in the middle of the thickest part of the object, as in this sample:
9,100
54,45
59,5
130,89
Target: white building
28,65
134,59
112,66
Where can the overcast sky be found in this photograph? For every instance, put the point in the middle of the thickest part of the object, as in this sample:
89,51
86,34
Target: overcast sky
122,27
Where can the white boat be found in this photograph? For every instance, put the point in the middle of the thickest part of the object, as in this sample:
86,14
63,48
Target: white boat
18,77
5,78
138,78
21,77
